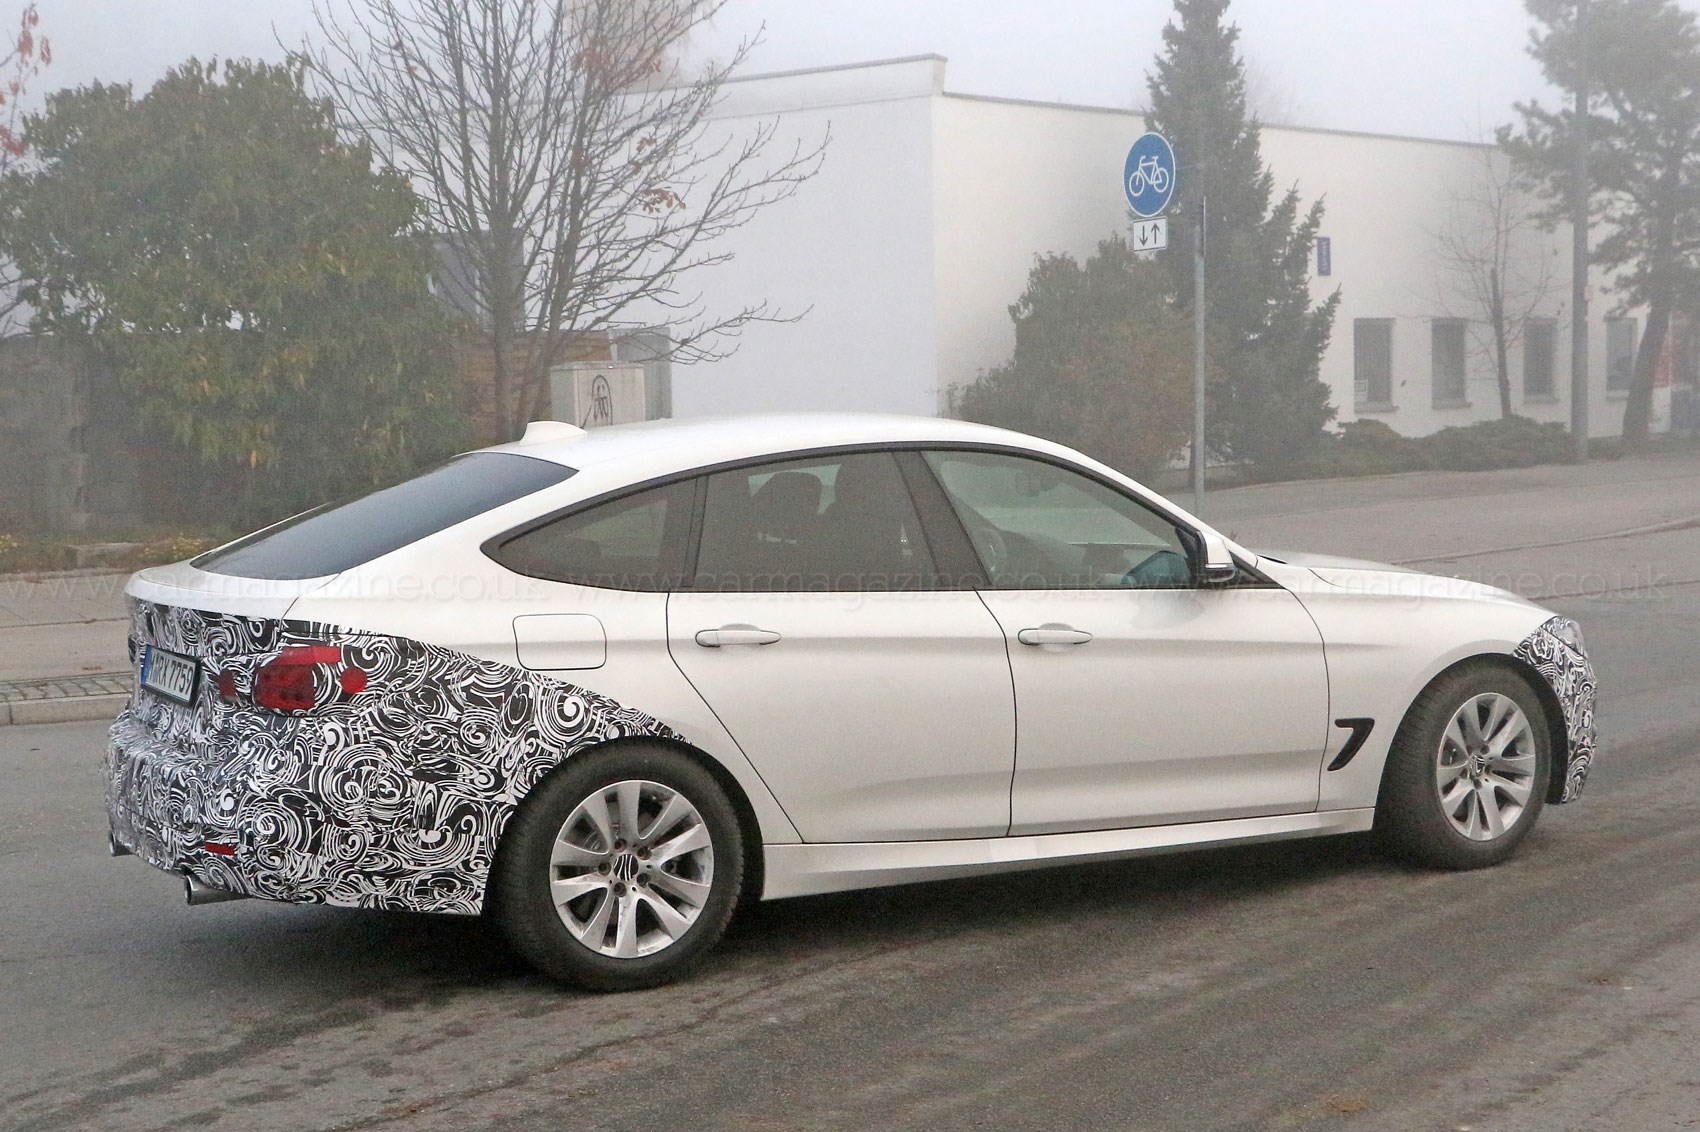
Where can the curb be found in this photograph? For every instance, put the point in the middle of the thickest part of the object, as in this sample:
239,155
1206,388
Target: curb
71,572
65,709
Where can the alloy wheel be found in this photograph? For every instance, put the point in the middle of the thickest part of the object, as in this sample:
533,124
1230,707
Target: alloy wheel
1486,766
631,869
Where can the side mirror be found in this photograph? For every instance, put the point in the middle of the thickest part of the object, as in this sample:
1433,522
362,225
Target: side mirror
1216,565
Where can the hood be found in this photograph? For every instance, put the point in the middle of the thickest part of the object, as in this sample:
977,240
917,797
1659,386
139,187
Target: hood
1356,575
1329,562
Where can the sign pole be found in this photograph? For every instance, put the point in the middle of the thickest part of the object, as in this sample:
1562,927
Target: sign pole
1198,360
1579,248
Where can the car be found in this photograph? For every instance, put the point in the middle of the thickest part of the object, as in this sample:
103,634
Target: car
605,687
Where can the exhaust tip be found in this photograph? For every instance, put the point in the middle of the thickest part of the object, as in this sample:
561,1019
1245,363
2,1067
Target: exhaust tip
114,848
195,893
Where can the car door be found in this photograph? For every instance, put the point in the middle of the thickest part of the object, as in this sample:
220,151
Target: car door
1142,698
876,704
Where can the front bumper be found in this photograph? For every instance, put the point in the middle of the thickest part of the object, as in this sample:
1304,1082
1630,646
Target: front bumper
1555,651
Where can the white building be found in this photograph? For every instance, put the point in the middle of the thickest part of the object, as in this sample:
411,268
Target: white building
908,248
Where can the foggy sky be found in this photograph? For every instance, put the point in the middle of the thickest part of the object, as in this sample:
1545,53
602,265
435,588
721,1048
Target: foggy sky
1435,68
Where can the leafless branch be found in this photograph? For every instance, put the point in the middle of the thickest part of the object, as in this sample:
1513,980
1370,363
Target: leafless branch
1498,269
573,154
25,54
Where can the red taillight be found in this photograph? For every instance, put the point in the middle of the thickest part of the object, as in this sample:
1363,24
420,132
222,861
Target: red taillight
284,686
219,847
227,685
310,654
285,683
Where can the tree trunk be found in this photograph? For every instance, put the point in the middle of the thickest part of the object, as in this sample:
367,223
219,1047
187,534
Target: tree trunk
499,389
1502,364
1501,344
1638,410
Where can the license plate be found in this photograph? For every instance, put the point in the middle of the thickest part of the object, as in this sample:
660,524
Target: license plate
170,674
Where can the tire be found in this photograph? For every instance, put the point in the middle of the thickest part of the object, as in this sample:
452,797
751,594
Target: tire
1447,800
592,907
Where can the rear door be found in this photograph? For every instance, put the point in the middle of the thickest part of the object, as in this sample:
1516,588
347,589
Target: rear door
876,704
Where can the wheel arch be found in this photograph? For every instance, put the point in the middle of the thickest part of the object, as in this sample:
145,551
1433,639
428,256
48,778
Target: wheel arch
1553,711
749,825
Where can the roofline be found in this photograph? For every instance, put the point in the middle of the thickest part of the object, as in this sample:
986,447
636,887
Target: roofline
935,57
929,57
1140,113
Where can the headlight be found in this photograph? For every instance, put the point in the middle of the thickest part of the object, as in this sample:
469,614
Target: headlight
1569,632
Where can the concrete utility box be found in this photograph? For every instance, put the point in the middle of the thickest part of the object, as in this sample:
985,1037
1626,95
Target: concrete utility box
591,394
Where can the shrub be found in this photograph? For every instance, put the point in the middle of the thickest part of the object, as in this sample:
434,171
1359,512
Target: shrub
1509,442
1370,447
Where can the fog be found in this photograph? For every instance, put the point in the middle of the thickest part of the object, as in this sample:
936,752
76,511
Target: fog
1440,68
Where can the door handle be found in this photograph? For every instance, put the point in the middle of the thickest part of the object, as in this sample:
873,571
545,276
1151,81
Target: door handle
735,635
1053,635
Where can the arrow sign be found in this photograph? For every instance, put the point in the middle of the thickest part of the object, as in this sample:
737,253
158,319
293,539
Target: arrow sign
1148,176
1150,235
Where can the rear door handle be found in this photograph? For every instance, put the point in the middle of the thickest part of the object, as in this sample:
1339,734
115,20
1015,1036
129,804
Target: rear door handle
735,635
1053,635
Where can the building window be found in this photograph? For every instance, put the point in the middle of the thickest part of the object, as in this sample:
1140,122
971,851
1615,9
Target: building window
1372,362
1540,336
1446,339
1620,353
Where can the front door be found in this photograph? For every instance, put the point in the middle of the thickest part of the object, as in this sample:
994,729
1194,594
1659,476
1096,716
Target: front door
875,706
1142,699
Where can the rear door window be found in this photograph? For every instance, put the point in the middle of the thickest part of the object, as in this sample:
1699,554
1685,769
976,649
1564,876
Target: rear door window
842,523
341,536
633,543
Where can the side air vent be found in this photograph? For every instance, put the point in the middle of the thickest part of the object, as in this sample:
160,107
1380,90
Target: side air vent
1360,728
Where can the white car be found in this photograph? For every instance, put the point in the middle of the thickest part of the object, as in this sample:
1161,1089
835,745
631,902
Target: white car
605,685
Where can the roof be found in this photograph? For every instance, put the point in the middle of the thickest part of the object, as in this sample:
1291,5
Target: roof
659,447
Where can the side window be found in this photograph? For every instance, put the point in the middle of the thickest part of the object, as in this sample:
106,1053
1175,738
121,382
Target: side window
844,523
634,543
1037,526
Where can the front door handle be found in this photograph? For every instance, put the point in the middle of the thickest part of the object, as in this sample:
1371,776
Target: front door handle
735,635
1053,635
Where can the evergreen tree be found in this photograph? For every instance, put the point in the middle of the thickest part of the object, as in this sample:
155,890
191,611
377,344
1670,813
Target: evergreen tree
1101,362
1643,126
257,284
1270,406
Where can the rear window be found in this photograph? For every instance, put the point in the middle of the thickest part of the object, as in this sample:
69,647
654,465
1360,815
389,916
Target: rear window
340,536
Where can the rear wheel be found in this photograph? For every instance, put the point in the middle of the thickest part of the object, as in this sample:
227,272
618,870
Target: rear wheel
620,870
1467,776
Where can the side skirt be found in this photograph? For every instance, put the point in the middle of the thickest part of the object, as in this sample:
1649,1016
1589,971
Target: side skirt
802,870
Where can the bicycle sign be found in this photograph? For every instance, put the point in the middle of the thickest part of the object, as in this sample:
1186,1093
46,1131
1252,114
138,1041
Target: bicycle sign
1148,177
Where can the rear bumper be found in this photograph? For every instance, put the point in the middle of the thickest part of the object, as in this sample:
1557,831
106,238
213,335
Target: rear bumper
286,839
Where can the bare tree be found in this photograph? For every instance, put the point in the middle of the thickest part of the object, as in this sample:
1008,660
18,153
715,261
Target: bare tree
1268,97
1497,265
569,151
22,56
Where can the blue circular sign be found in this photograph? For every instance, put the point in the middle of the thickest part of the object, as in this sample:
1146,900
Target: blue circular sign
1148,178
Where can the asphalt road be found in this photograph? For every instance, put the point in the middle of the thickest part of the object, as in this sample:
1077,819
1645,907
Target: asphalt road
1293,986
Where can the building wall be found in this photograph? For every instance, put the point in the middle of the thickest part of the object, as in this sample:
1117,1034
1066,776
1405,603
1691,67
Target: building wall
65,458
920,231
1013,181
852,251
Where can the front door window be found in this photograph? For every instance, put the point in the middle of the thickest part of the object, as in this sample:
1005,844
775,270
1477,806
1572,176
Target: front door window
1036,526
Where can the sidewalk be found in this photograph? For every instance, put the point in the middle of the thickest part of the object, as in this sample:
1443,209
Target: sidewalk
62,638
63,655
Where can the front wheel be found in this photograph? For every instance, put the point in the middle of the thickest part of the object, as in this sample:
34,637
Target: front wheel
620,870
1468,772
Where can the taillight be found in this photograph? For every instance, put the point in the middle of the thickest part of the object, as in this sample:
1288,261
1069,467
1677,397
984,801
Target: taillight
286,682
